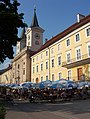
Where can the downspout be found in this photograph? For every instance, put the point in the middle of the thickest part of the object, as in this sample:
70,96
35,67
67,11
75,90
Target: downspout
49,62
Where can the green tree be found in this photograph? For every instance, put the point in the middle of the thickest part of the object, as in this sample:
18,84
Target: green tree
10,22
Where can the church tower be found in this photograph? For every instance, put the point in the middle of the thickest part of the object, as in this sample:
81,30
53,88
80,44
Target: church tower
21,44
34,34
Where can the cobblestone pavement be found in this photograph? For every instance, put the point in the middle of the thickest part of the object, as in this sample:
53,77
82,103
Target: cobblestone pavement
79,109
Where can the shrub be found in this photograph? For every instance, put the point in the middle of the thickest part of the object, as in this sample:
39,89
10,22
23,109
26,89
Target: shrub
2,112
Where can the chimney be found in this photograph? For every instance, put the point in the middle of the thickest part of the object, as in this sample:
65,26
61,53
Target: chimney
79,17
46,40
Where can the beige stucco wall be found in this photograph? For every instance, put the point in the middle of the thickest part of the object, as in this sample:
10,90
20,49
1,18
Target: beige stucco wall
21,64
6,77
63,51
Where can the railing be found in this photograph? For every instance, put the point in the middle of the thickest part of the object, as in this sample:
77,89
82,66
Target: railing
75,78
82,57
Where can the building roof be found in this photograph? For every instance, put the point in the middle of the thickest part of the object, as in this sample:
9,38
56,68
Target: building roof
34,20
65,32
6,69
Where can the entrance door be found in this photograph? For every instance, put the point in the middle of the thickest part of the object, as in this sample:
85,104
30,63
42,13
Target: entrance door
79,73
37,81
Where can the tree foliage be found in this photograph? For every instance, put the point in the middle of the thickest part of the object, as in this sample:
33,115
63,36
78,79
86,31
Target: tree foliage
10,22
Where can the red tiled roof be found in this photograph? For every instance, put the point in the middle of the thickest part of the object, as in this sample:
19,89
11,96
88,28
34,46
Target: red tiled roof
65,32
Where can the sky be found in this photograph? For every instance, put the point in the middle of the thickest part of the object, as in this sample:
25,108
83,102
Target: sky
54,16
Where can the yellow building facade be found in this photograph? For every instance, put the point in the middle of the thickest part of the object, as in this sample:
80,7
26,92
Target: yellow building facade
67,55
6,75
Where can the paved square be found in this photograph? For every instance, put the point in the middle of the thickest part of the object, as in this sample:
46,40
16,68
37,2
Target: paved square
79,109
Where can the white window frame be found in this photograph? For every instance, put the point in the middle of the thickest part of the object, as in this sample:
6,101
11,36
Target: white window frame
33,60
69,52
69,74
88,44
80,52
46,53
37,68
33,69
53,77
41,66
52,50
86,32
58,60
41,78
28,37
59,77
52,65
59,47
28,43
47,65
79,37
37,58
67,43
41,56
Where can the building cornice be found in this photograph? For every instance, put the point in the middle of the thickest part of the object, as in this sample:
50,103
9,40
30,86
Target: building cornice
20,54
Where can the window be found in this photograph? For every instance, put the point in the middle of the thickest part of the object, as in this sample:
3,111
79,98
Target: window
69,74
36,68
52,62
46,53
78,54
60,76
41,78
47,65
41,56
52,51
28,37
89,50
88,31
28,43
46,77
33,59
77,37
52,77
59,60
68,42
24,71
18,66
37,58
41,67
68,57
13,75
33,69
58,47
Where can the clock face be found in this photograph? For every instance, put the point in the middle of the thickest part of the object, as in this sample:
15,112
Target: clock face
37,42
37,36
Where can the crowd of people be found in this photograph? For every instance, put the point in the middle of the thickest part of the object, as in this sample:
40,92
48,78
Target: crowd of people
46,94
